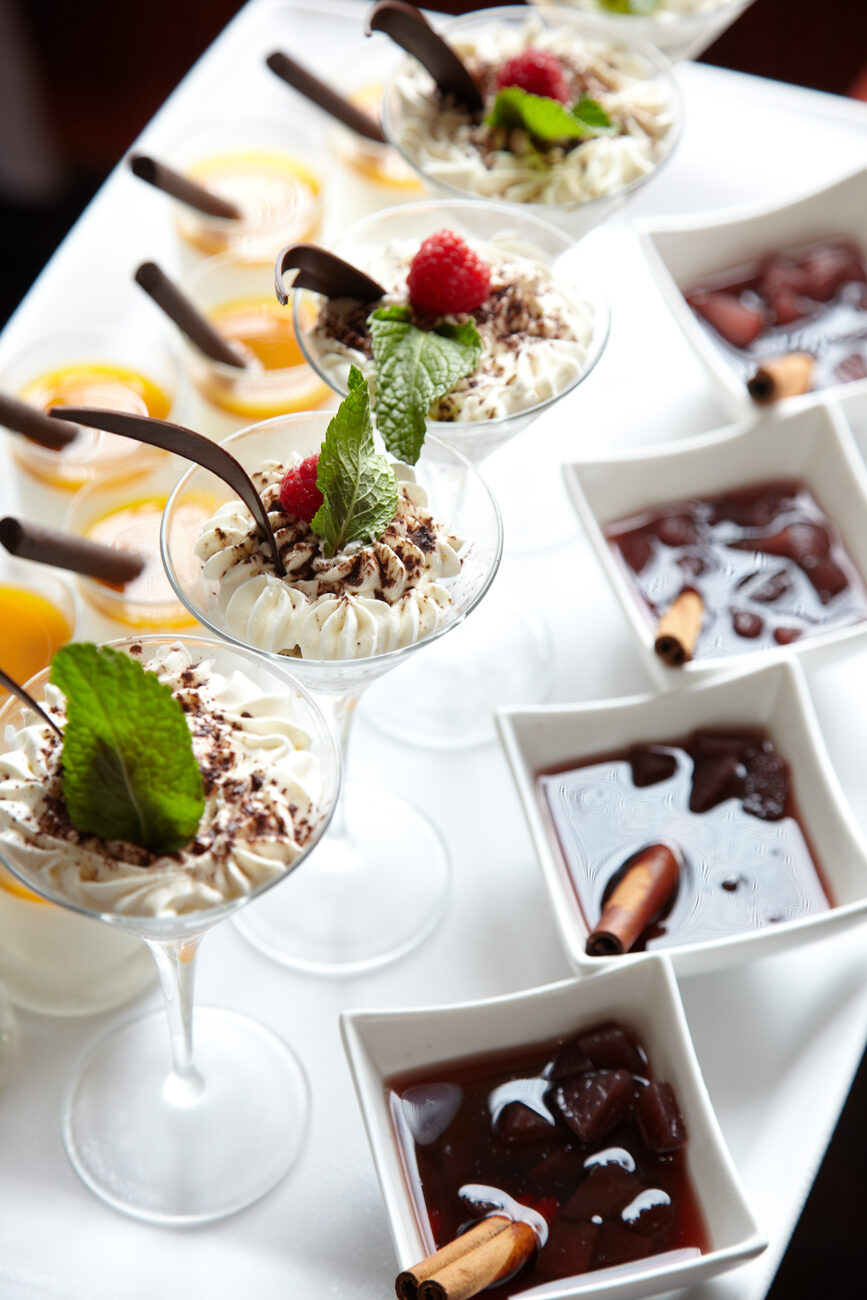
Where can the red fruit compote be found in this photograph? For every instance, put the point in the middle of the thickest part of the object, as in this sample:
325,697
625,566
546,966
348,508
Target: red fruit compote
579,1134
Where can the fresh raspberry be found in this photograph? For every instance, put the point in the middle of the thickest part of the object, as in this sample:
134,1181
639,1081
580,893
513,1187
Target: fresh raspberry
446,276
299,495
539,72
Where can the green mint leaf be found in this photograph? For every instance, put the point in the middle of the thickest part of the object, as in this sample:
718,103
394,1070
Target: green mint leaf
547,120
357,483
129,772
629,6
413,368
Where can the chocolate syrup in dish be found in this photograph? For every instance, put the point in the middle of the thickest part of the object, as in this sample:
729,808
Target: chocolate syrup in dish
722,800
579,1132
811,299
768,564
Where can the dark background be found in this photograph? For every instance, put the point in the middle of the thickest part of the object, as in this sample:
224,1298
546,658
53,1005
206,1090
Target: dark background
79,79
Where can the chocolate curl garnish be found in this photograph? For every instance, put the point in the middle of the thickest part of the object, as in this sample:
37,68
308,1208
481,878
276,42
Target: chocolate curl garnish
786,376
26,698
324,97
182,442
640,897
188,318
21,417
409,29
322,272
30,541
492,1250
678,629
180,187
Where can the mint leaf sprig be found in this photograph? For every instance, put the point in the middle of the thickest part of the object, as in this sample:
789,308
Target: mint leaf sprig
358,484
547,120
128,767
414,367
634,7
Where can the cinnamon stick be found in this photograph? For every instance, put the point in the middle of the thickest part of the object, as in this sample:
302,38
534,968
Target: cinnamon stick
31,541
640,896
678,628
489,1252
180,187
786,376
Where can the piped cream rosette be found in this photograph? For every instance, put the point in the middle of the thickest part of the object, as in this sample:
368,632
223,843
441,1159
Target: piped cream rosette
365,600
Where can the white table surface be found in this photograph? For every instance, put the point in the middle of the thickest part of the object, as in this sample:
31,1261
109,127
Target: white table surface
778,1040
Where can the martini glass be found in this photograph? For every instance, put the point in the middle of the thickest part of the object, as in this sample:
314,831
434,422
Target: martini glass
379,884
445,170
507,657
162,1134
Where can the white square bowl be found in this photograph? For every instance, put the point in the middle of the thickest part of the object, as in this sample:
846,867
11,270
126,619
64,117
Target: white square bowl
814,446
684,252
774,698
381,1044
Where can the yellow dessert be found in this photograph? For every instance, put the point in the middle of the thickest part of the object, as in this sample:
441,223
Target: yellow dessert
377,162
274,191
277,379
148,601
31,629
115,387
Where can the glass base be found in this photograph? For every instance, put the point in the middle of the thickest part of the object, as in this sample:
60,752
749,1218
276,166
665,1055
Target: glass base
360,900
446,696
169,1152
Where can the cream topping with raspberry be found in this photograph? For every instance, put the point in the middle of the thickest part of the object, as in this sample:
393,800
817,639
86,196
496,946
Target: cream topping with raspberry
536,331
365,600
453,147
262,791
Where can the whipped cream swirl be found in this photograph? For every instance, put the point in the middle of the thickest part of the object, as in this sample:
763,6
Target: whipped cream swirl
365,600
536,332
451,146
262,796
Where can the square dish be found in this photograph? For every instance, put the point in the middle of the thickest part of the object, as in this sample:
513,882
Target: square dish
380,1045
813,447
774,698
685,252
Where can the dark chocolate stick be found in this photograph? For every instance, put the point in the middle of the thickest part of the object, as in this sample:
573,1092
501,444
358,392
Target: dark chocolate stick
30,541
21,417
409,29
180,187
330,101
322,272
183,442
14,689
188,318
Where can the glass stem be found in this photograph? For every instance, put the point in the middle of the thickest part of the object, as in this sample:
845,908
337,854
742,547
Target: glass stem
176,963
343,715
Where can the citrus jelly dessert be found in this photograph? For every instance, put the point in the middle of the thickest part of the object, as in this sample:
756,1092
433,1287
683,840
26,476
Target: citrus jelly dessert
278,196
32,628
114,385
125,512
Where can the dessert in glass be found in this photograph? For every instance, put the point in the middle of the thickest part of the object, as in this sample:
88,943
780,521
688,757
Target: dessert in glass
125,511
379,884
103,366
155,1132
543,325
368,175
576,164
682,29
236,294
51,960
270,167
